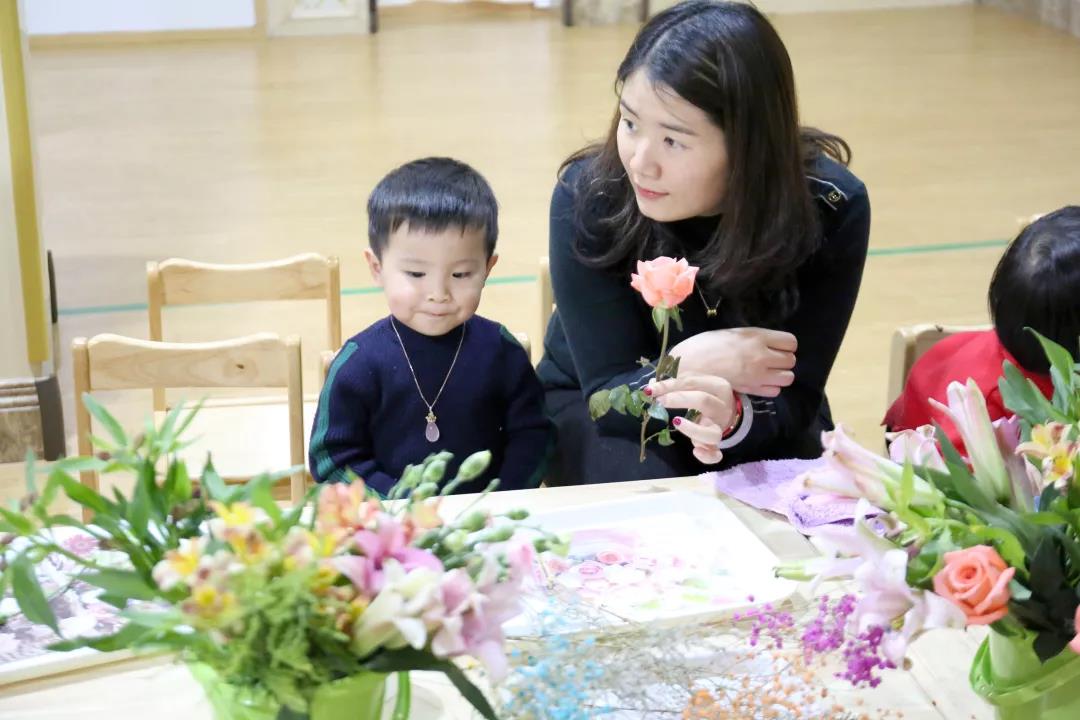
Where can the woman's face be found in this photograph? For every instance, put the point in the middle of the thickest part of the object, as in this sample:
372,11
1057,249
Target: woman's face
674,155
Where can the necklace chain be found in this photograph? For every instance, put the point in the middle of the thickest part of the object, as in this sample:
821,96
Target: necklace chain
709,311
430,405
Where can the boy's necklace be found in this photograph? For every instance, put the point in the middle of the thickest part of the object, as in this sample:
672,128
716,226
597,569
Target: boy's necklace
431,432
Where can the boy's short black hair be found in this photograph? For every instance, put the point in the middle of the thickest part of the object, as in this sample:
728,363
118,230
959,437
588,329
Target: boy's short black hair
432,194
1037,284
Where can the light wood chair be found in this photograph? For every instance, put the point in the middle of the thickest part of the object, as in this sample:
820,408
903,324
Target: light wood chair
113,362
309,276
547,297
908,345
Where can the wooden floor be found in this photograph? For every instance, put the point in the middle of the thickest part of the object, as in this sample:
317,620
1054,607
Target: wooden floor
962,120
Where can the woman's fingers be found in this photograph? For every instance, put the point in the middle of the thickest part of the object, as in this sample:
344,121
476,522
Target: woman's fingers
704,433
779,360
780,340
708,454
711,384
708,394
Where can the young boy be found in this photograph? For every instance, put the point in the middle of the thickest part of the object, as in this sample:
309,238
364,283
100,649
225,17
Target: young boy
433,375
1034,286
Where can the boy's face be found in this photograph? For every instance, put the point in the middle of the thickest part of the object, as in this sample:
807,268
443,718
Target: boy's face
432,280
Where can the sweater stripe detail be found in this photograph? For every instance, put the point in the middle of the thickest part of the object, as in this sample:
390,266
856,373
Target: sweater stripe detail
324,464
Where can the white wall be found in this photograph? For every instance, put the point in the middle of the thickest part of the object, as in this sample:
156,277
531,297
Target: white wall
58,17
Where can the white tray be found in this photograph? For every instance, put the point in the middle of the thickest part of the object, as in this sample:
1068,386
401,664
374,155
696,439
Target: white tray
672,557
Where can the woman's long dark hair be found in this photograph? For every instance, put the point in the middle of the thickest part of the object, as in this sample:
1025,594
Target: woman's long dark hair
727,59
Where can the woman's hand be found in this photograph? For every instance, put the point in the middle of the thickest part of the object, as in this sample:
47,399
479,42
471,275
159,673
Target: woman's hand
755,361
711,396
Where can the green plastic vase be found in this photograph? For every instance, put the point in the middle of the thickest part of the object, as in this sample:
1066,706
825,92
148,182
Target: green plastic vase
1007,673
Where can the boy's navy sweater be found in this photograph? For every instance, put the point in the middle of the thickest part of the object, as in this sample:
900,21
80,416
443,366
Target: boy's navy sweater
371,419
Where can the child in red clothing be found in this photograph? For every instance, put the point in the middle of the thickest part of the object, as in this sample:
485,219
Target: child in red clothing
1036,285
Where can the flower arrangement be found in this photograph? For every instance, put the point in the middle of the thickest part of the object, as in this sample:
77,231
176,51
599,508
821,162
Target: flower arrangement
279,603
664,283
991,539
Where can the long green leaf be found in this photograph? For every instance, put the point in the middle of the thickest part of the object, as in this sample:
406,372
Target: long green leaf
105,418
469,691
126,637
262,497
81,494
123,583
139,510
18,522
29,595
212,483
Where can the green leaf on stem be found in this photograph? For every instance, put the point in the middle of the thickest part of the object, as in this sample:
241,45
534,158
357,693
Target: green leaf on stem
599,404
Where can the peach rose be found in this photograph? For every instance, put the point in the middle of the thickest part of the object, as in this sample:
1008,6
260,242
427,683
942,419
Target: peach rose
664,282
976,580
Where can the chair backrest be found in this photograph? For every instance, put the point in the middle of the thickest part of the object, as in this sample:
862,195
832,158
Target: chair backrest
908,345
309,276
113,362
547,297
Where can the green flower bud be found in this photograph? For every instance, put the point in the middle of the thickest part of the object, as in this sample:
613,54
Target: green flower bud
455,541
425,491
434,472
519,514
474,521
474,465
411,476
500,534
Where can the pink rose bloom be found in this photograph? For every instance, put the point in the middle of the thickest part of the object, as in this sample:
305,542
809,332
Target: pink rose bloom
976,580
590,569
611,557
664,282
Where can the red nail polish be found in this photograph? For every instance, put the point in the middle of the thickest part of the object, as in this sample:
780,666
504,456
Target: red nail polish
647,391
677,421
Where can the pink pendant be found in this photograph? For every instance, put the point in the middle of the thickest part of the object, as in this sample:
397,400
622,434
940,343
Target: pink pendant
431,432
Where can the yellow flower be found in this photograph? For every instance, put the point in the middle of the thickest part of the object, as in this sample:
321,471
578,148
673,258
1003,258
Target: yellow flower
179,565
209,603
1052,448
249,547
236,515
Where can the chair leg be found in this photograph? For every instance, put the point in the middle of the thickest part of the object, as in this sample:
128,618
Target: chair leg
373,16
567,12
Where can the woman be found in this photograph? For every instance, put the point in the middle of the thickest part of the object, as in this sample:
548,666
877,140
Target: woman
705,160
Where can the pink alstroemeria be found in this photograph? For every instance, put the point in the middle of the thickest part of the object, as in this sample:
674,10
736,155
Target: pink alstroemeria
387,542
853,471
471,613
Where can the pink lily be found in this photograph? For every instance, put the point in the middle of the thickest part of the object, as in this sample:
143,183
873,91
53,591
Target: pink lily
853,471
967,410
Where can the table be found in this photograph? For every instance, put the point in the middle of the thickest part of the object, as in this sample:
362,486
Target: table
935,688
